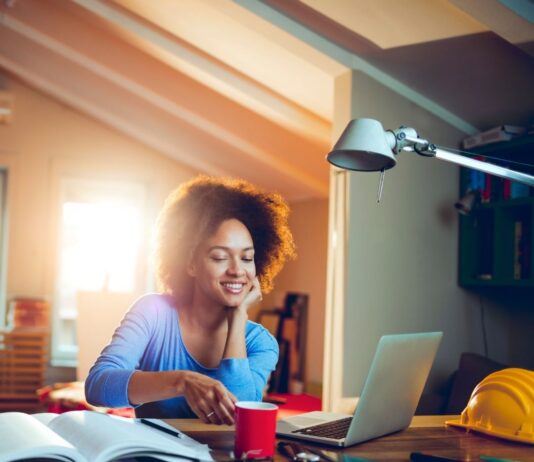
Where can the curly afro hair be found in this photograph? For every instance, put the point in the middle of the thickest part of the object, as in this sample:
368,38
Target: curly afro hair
195,210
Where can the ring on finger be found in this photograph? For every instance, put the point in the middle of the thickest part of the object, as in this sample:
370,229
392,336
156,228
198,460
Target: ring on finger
210,414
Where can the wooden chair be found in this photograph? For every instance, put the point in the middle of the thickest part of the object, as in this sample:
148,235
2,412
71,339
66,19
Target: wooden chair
288,325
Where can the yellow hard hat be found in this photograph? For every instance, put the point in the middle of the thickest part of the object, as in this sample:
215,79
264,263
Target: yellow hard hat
502,405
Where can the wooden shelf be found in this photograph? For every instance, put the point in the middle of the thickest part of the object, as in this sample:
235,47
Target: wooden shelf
23,362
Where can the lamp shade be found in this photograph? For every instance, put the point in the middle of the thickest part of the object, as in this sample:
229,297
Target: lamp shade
364,146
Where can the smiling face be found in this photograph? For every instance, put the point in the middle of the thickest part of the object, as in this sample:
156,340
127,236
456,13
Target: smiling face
223,267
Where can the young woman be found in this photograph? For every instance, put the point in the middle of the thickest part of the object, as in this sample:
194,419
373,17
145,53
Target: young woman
191,350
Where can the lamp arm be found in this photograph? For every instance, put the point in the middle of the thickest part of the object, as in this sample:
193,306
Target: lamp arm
429,150
485,167
407,142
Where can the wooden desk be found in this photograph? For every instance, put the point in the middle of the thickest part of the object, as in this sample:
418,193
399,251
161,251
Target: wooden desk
426,434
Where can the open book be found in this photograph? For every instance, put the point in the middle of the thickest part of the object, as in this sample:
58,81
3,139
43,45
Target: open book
86,436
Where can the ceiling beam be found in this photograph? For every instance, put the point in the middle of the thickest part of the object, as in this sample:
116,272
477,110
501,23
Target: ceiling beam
240,145
86,106
214,73
513,26
192,155
353,61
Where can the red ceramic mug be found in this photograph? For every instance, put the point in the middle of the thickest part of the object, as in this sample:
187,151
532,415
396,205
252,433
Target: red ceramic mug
255,428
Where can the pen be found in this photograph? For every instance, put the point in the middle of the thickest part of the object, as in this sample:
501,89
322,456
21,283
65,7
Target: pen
161,428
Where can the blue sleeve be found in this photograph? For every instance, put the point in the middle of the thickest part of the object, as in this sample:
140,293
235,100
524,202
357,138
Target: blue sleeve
107,382
246,377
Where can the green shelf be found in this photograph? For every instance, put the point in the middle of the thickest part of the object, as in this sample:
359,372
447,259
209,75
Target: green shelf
497,237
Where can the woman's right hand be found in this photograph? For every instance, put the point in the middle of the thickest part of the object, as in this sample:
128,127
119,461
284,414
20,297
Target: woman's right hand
208,398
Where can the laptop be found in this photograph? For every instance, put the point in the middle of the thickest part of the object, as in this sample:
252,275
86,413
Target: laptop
387,404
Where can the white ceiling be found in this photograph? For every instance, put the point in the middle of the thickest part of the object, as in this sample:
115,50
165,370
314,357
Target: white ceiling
245,87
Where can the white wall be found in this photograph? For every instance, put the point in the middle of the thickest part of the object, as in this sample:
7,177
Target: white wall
401,256
45,142
307,274
508,318
99,314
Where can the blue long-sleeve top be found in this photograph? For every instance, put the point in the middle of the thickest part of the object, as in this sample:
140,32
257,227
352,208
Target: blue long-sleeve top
149,339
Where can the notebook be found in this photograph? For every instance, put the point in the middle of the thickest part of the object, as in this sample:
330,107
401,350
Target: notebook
387,403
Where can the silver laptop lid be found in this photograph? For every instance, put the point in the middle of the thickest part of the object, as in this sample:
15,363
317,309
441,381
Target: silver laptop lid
394,385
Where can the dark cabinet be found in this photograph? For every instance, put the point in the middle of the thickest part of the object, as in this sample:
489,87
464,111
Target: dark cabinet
496,237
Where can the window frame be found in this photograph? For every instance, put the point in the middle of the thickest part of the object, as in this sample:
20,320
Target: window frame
84,189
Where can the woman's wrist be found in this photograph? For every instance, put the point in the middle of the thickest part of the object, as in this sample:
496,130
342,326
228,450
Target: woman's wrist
237,317
180,382
235,341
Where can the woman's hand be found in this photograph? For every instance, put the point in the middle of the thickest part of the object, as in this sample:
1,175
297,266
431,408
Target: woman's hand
208,398
237,323
252,298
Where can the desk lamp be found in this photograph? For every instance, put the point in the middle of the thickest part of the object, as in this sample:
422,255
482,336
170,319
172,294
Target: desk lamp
366,146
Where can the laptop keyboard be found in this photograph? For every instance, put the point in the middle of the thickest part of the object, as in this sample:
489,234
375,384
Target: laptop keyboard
336,429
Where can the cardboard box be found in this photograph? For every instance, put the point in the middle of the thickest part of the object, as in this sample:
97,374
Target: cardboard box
494,135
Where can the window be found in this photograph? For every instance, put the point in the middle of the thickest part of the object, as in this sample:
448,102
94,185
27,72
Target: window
100,250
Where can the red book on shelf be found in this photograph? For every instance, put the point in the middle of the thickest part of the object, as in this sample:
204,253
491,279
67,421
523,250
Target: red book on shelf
506,189
486,193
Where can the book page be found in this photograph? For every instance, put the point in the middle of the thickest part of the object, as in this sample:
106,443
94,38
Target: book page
45,417
23,437
102,437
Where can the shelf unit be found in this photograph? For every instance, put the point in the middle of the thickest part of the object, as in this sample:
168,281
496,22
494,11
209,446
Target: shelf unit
497,237
23,363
